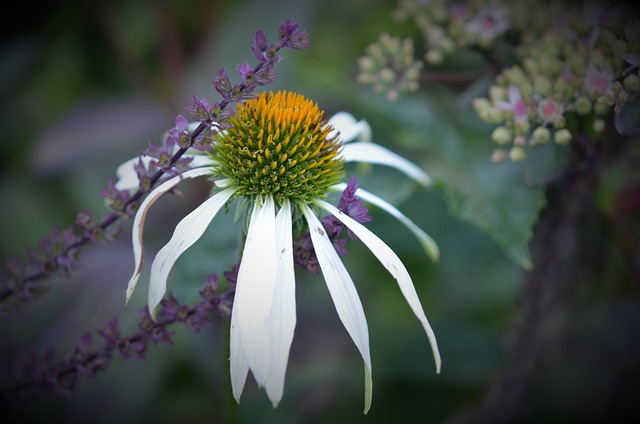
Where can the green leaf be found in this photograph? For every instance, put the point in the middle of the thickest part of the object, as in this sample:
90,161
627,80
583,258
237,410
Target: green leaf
454,148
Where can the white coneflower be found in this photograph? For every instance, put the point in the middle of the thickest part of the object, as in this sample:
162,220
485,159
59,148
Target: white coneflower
282,157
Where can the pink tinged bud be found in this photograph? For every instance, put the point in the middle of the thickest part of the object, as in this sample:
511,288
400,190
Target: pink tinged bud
519,110
498,155
516,104
596,81
549,110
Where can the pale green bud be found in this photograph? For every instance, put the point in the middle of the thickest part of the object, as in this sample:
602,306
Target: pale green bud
517,153
583,105
480,103
386,76
601,106
522,127
375,50
541,85
497,92
560,122
502,135
494,115
434,57
562,86
516,76
366,64
562,136
599,125
541,135
526,89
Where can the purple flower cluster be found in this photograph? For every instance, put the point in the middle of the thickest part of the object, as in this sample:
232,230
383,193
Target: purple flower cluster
303,252
216,115
48,372
60,250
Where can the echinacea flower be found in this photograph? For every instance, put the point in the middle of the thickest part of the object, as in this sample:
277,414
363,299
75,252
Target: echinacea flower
282,158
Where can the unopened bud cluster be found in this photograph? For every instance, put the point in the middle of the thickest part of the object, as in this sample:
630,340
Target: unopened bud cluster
580,67
560,65
390,67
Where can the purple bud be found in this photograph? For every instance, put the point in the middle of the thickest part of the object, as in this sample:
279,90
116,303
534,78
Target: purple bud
246,72
200,109
290,36
182,124
259,45
222,84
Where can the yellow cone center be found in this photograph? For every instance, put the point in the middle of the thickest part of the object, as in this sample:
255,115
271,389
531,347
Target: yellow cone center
278,145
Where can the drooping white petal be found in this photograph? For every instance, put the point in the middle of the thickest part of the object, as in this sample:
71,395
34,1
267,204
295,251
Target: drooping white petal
255,288
138,222
394,265
376,154
343,293
186,233
428,244
282,321
349,129
238,365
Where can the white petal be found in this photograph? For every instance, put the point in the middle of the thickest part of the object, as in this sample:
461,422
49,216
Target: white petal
394,265
198,161
428,244
254,290
343,293
238,366
349,129
138,222
283,310
376,154
187,232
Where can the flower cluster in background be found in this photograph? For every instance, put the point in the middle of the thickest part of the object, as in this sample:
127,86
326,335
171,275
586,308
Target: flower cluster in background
568,78
390,67
561,68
